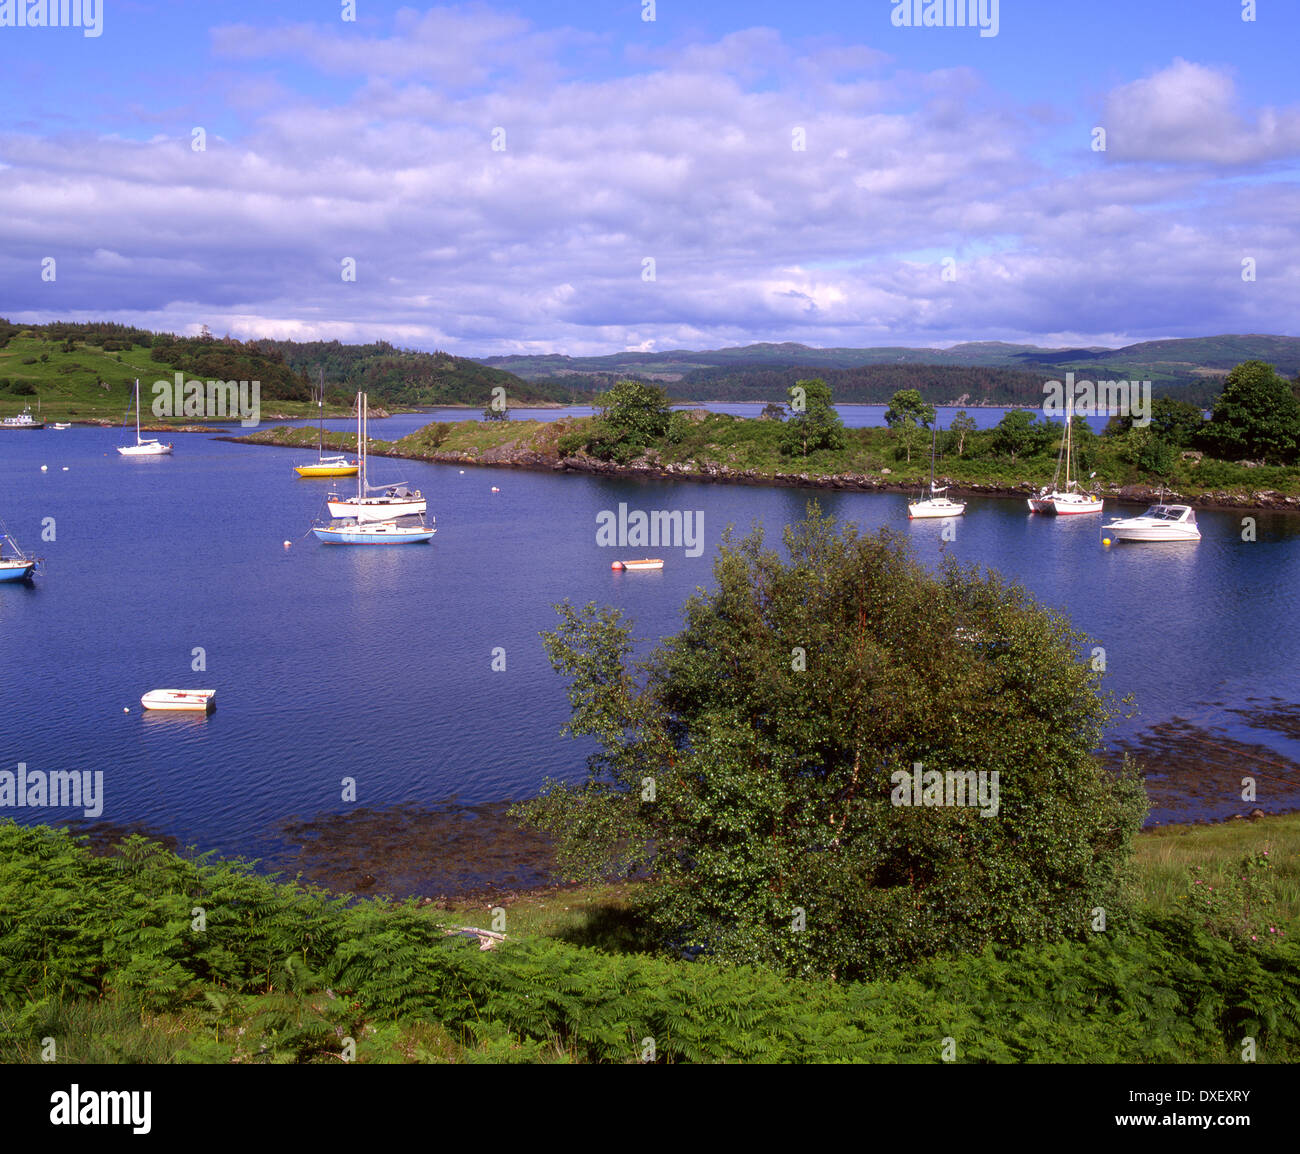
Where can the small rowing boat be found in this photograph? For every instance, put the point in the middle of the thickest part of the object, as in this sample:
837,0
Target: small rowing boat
195,699
644,563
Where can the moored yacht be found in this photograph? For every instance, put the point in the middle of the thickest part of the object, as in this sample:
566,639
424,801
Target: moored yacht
17,566
935,505
1070,498
393,501
1158,523
144,446
24,420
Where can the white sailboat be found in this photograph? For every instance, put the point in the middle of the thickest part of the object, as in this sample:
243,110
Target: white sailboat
935,505
364,521
393,501
144,446
1071,498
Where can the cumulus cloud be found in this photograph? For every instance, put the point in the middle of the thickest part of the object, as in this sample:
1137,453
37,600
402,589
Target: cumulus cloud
1190,112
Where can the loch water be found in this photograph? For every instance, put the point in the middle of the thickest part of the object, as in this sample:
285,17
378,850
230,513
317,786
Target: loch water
376,664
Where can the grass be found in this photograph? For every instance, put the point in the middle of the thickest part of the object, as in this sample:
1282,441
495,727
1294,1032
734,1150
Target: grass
68,384
1164,857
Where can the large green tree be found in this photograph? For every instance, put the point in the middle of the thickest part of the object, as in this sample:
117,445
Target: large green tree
636,409
750,767
1256,415
907,413
814,424
631,417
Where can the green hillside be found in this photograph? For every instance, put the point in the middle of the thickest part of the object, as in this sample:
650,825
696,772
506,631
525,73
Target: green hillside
405,377
86,371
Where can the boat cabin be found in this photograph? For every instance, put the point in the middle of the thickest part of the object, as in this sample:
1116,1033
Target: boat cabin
1184,514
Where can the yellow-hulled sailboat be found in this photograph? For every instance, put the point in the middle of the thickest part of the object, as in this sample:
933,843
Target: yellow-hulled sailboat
336,466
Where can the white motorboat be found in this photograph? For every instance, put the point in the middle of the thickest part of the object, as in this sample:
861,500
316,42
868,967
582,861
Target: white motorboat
144,446
199,700
1158,523
935,505
1070,498
61,425
393,501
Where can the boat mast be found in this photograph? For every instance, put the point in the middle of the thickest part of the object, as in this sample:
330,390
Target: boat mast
1069,437
932,436
361,449
320,413
137,410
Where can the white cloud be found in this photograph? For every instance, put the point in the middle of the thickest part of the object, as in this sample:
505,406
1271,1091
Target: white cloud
687,160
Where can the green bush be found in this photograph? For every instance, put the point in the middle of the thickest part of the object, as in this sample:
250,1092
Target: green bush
796,695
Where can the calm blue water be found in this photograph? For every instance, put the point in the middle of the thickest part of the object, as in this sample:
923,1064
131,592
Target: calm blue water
375,664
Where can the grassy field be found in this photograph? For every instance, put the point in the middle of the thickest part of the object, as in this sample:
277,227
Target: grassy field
70,385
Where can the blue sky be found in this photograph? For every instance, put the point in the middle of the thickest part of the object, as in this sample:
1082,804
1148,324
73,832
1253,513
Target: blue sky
946,188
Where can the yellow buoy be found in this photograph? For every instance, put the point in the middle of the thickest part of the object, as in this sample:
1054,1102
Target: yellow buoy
1105,540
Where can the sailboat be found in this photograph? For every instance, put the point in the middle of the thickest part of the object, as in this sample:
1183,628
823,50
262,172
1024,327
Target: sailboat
336,466
1071,498
935,505
394,500
18,566
369,529
144,446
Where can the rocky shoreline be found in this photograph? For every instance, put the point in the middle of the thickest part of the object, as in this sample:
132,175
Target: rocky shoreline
514,456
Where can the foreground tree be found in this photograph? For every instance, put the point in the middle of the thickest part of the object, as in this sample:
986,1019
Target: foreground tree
751,768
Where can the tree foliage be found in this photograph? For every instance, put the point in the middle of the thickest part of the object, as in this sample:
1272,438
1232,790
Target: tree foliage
814,424
961,427
746,766
907,413
1257,415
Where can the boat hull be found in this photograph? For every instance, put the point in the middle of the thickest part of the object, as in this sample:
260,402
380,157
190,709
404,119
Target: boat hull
920,510
187,700
1065,505
145,450
326,470
378,508
16,571
645,563
1151,533
379,533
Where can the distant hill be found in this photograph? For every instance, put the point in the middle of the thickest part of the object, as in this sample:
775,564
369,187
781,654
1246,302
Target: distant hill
1189,368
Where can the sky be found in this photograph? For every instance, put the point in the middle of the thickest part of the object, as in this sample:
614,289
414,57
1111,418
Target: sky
592,176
